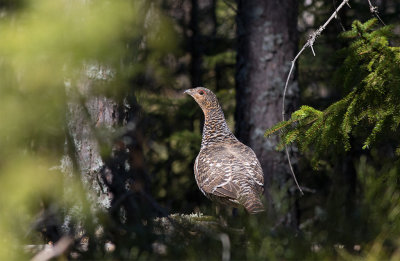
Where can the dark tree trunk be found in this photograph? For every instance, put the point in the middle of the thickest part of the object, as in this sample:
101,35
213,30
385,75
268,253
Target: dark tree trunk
202,35
267,42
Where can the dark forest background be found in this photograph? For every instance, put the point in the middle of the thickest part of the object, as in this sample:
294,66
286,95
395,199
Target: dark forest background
98,141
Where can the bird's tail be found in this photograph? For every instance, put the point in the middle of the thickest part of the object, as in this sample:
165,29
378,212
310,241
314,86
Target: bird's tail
253,204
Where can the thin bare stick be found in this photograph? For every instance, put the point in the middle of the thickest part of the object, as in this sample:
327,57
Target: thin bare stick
374,11
337,16
309,43
58,249
291,169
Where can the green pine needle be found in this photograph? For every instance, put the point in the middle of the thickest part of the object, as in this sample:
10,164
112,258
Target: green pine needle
371,75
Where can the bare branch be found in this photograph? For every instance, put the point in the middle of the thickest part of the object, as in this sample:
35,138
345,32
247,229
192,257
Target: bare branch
310,44
58,249
291,169
374,10
226,246
337,16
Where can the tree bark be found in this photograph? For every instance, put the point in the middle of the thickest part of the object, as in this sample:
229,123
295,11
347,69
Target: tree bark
267,42
86,112
117,179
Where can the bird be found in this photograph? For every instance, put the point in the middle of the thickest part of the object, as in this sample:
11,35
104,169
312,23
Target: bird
226,171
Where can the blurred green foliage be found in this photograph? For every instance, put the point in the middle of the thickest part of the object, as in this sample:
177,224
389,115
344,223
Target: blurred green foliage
46,45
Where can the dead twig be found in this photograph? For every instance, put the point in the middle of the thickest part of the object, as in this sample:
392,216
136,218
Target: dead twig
226,246
58,249
374,10
337,16
310,43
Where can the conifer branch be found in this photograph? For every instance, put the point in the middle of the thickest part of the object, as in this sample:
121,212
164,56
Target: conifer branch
279,127
310,44
373,85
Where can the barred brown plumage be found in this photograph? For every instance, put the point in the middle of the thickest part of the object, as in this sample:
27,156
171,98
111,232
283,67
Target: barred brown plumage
226,170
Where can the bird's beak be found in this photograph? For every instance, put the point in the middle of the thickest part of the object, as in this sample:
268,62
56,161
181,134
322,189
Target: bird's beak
188,91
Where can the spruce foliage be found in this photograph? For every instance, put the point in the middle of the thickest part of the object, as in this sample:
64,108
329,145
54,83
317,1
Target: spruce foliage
370,78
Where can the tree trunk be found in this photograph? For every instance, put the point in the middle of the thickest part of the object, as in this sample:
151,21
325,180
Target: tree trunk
85,113
203,29
267,42
116,180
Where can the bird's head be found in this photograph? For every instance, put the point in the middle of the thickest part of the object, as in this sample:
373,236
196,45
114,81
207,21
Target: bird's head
204,97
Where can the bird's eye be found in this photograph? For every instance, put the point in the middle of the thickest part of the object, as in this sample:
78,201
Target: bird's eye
201,92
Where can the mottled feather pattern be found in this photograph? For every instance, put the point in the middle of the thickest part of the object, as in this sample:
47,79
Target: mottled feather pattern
226,170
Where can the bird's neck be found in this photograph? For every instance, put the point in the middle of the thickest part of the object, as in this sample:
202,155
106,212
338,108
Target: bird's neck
215,128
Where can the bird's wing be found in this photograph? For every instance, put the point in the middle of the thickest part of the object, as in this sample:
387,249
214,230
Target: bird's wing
221,170
199,174
251,163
